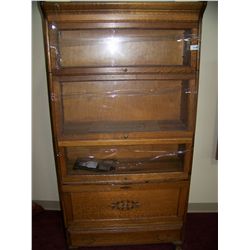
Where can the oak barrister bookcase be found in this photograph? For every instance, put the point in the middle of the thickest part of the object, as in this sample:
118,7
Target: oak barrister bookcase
123,82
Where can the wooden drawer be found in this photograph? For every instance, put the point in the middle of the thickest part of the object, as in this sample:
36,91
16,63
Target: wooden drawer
102,238
134,207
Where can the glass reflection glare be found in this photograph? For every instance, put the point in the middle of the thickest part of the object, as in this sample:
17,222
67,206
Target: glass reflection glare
112,44
53,27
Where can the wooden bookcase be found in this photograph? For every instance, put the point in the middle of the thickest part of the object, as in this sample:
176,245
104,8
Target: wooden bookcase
123,87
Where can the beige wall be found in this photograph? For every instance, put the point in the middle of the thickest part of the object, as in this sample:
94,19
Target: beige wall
204,175
44,185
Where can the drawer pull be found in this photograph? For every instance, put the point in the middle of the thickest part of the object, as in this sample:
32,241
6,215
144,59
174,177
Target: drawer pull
125,187
125,205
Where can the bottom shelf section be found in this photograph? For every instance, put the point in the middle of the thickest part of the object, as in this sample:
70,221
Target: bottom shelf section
95,238
98,215
129,205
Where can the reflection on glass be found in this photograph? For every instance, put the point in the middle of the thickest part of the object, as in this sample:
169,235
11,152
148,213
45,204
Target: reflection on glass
121,159
112,45
123,47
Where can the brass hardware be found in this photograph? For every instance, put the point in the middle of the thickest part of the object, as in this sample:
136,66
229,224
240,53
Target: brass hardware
125,187
125,136
125,205
53,97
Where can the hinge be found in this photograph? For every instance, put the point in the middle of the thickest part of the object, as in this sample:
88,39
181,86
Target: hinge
53,97
58,154
189,91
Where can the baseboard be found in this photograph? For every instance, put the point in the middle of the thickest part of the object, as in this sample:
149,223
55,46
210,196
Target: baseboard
192,207
48,205
203,208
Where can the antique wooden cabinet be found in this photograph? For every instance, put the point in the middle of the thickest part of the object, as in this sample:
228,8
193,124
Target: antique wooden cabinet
123,82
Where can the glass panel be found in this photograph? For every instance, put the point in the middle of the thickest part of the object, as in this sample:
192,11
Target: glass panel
123,106
125,159
123,47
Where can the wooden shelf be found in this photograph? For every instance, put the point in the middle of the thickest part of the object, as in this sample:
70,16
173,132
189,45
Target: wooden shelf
75,143
112,127
131,166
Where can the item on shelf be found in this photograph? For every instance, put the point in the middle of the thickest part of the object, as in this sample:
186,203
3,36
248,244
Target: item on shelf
86,164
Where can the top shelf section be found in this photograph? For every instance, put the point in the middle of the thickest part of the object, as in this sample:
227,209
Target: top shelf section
123,47
98,37
88,6
120,11
100,48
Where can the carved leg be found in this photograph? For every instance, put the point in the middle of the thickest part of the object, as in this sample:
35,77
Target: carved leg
178,245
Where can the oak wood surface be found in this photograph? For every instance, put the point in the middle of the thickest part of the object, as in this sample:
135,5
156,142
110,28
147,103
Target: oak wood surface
122,139
131,205
107,238
123,87
58,7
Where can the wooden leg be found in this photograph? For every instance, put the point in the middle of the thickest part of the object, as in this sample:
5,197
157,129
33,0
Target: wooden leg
178,245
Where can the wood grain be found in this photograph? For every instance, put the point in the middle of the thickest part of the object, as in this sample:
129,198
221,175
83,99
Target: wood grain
122,83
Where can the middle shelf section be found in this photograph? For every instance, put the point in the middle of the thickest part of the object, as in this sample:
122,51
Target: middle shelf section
88,108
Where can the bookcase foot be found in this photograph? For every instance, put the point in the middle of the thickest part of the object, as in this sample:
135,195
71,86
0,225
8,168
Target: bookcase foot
178,245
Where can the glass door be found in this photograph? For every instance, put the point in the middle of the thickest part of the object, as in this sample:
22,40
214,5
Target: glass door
123,106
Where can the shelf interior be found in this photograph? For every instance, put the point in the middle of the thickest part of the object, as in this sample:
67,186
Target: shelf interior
125,159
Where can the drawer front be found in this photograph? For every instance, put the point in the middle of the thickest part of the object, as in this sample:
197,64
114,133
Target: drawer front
81,238
119,206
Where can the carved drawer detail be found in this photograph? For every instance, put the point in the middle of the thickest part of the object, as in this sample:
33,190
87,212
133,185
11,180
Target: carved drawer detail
111,203
125,205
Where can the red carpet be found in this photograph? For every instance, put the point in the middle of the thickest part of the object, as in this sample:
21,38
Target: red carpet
48,233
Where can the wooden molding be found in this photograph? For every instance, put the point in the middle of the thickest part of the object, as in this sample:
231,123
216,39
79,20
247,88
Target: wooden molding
192,207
